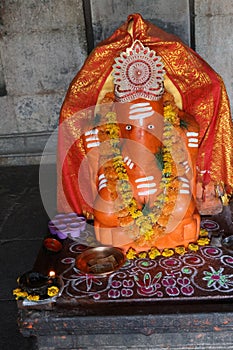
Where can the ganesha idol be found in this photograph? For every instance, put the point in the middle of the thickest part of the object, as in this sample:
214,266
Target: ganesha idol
141,151
145,163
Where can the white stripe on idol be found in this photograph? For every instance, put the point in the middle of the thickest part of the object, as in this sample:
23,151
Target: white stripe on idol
184,191
140,111
147,193
92,138
192,145
183,179
192,133
193,139
140,104
92,132
128,162
146,185
185,185
147,178
102,186
93,144
103,181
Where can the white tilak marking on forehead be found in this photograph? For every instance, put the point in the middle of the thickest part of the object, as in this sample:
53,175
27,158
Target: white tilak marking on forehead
141,104
141,116
137,109
141,109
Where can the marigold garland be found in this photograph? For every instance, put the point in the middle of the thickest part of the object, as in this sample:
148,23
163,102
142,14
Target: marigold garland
154,252
151,225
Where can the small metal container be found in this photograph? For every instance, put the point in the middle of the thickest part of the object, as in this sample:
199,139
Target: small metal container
227,243
36,283
100,260
53,245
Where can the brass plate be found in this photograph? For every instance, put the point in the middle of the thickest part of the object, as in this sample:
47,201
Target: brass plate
100,260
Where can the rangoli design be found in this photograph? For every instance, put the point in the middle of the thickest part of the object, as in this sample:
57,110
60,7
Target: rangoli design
205,273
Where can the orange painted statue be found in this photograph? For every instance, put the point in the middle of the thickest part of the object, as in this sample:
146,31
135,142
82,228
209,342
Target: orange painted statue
139,148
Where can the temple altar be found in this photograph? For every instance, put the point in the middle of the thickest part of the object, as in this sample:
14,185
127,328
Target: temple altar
177,301
139,254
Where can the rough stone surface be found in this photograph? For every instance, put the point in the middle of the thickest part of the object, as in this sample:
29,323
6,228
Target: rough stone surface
8,123
37,113
43,46
214,37
170,16
32,15
43,61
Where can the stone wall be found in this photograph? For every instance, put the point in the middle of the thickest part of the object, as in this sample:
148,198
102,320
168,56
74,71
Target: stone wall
214,37
43,45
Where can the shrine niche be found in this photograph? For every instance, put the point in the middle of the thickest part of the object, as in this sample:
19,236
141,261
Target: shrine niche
144,216
138,163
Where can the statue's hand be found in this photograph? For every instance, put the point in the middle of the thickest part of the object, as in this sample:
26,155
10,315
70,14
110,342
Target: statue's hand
208,202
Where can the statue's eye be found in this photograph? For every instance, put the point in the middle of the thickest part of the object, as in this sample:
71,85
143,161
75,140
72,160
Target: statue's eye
128,127
150,126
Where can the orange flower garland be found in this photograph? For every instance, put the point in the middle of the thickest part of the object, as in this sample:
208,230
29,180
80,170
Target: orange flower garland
150,225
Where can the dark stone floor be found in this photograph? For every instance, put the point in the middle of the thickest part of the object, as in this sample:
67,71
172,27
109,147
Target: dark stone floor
23,225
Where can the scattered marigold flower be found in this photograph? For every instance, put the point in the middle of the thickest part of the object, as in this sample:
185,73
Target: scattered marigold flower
203,241
167,252
180,250
192,246
19,293
142,255
153,253
33,297
131,254
203,232
52,291
16,291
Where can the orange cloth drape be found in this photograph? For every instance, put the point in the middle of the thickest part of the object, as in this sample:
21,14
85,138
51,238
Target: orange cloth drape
203,96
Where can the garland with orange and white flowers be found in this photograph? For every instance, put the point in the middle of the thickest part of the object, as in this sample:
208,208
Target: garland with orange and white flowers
151,225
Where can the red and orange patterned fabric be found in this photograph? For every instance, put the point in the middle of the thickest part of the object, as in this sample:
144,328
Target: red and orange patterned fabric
203,96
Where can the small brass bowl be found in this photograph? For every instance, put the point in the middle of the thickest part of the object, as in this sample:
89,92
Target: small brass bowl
100,260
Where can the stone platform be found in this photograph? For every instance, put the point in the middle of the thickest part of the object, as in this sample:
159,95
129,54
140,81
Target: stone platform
170,302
